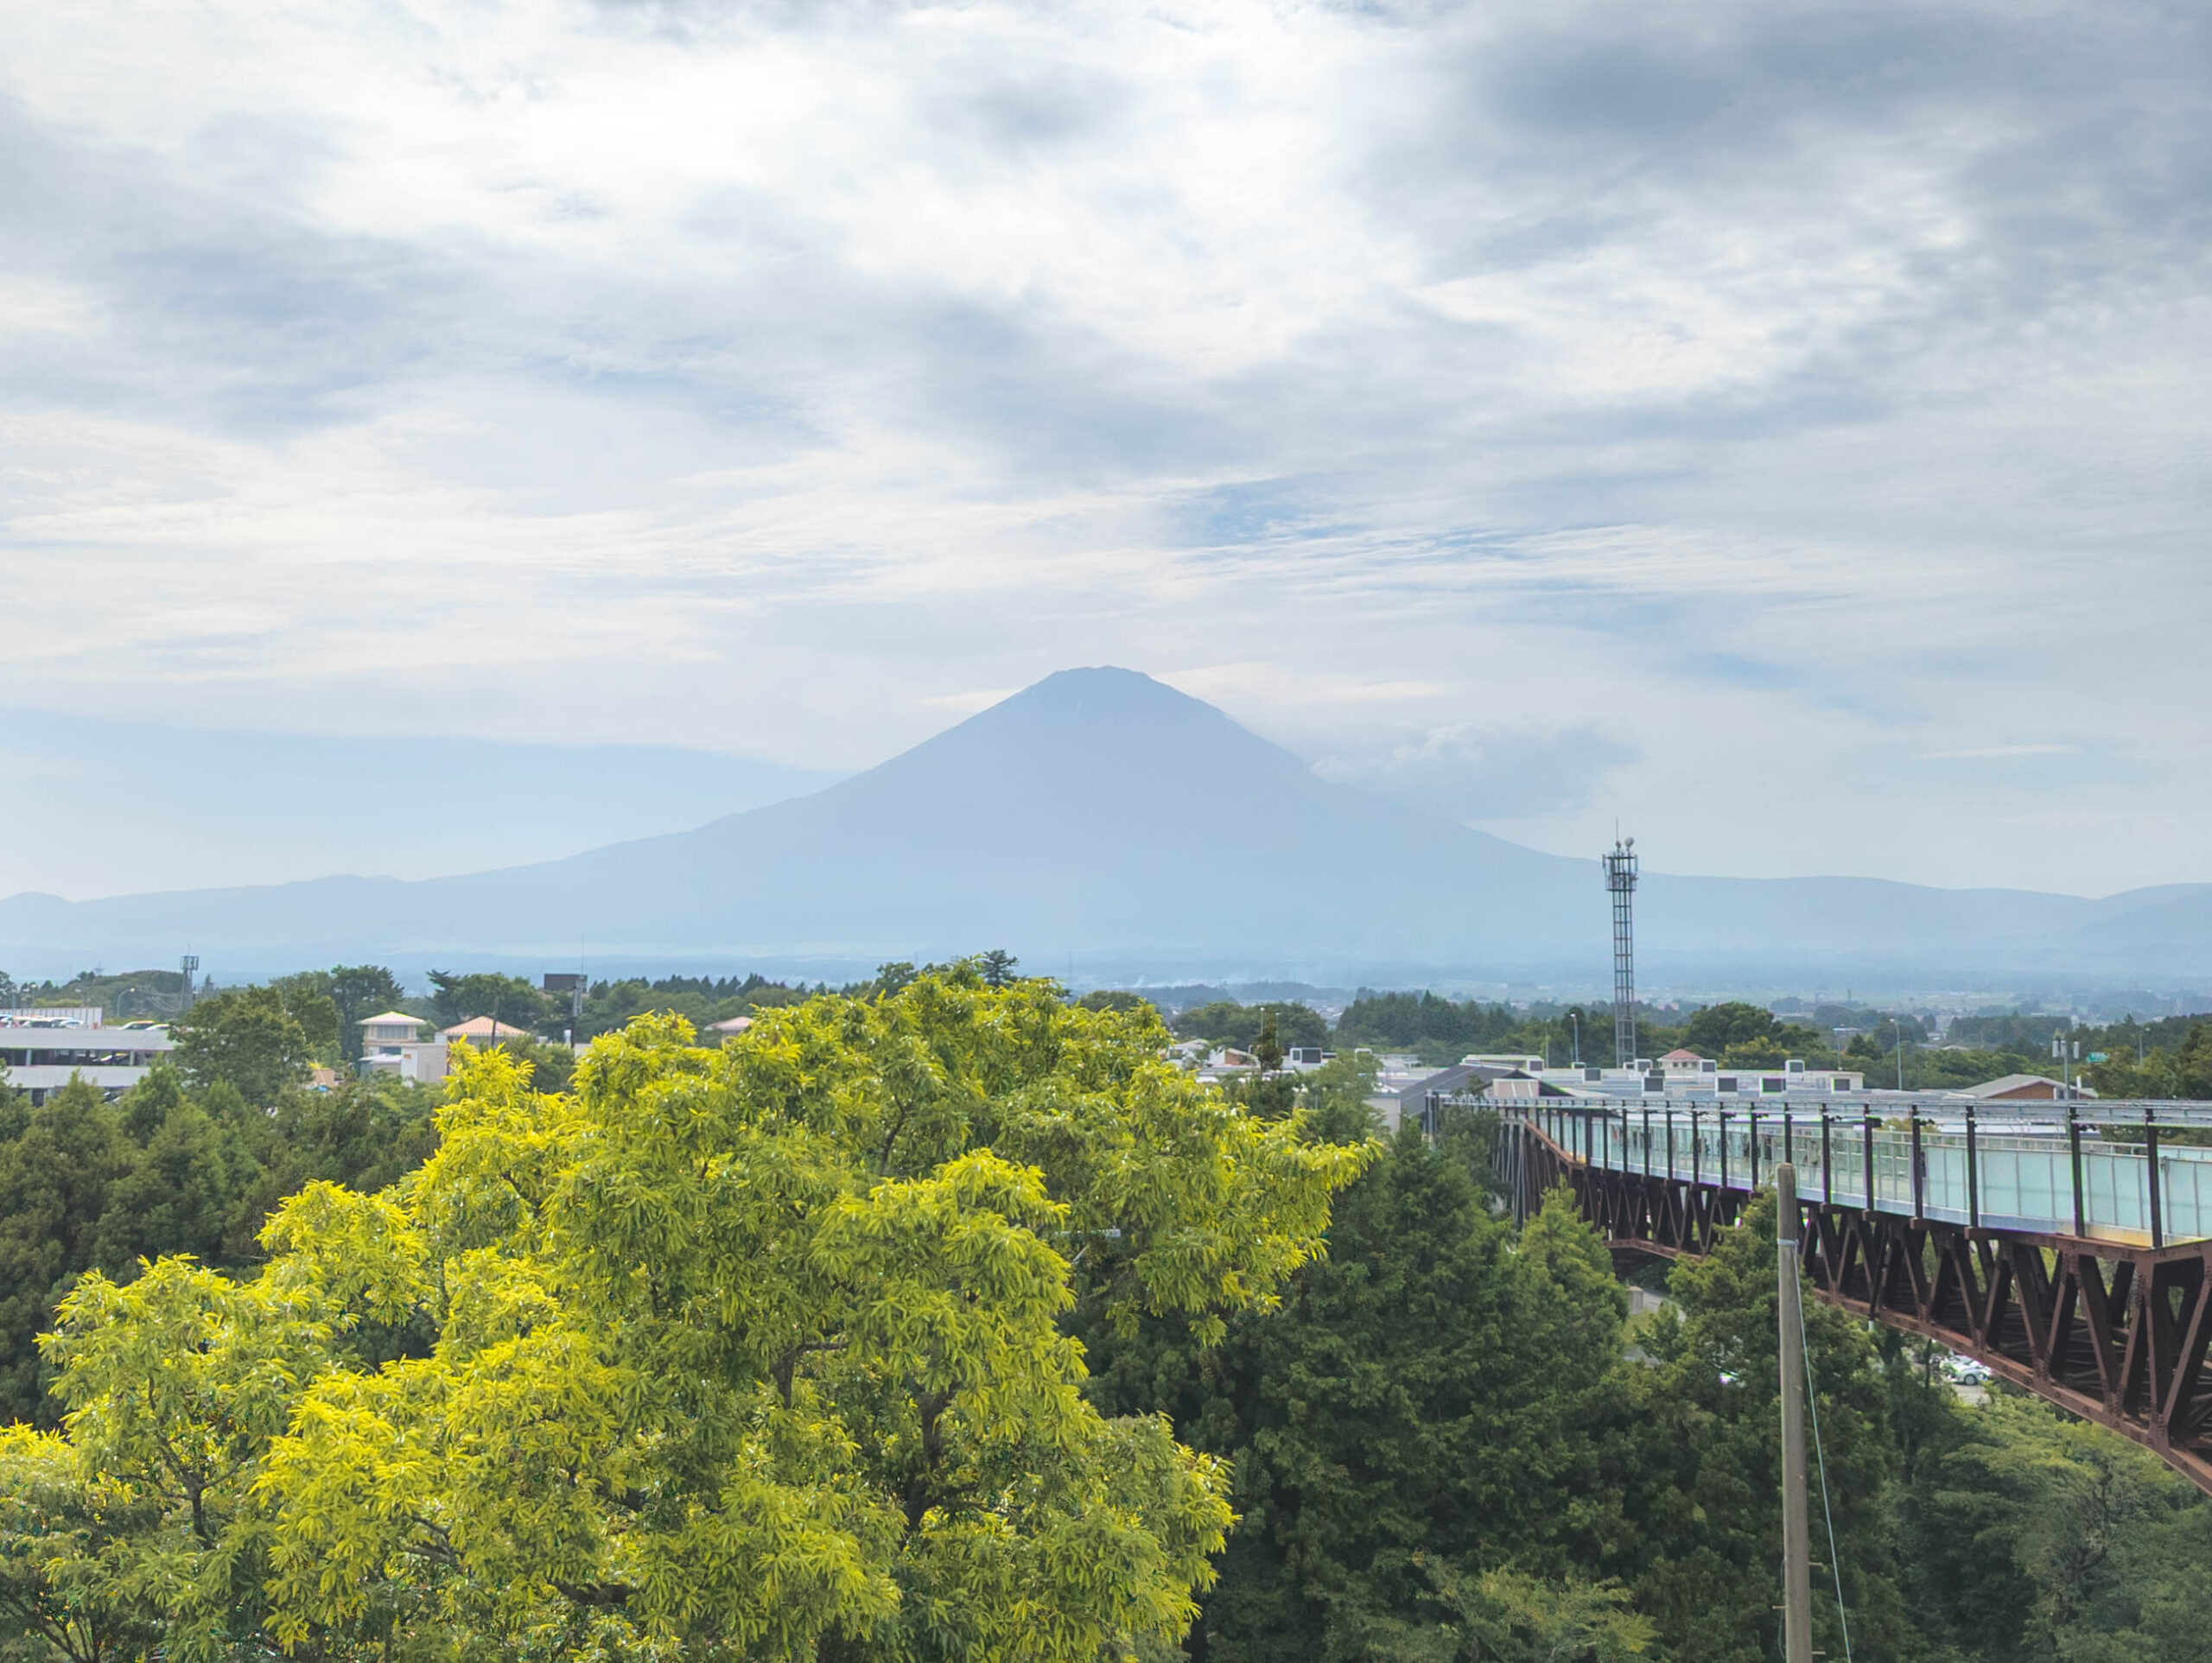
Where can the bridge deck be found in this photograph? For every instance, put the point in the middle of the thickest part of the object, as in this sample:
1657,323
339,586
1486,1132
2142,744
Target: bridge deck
2043,1250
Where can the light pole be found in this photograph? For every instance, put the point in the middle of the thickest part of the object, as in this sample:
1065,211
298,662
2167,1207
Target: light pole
2064,1060
1576,1017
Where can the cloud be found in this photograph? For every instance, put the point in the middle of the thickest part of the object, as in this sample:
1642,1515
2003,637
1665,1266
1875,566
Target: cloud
1478,774
1779,390
1996,750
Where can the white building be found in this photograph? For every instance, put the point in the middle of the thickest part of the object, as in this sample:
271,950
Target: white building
393,1043
41,1050
1683,1074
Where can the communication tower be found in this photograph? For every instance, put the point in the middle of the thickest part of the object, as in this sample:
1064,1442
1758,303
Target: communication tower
1620,879
189,965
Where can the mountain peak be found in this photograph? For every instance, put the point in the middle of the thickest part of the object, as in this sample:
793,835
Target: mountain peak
1104,687
1097,718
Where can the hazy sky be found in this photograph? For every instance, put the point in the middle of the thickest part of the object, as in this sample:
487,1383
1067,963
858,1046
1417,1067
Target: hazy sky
1784,427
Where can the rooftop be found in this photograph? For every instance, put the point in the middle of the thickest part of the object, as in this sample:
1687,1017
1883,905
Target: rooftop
484,1027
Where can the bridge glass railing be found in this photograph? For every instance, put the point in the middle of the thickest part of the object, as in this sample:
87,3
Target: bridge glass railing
2037,1178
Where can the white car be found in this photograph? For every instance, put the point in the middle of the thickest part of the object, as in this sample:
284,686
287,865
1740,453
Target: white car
1967,1371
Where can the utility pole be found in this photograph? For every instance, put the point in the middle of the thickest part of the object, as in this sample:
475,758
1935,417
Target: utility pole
1796,1535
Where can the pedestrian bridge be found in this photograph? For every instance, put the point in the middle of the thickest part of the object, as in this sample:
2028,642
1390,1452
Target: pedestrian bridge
2066,1246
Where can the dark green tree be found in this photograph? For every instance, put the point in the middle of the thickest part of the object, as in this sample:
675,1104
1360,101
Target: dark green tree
1225,1022
1698,1445
457,998
55,1176
2034,1535
359,992
250,1039
1411,1432
86,1184
2181,1070
1267,1046
1112,999
1717,1027
308,997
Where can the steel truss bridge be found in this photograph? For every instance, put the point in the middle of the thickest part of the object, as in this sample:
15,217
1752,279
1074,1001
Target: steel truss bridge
2068,1253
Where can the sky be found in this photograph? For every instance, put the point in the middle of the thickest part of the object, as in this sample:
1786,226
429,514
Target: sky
437,435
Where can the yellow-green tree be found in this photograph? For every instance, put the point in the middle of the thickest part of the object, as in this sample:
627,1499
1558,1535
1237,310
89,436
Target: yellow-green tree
736,1353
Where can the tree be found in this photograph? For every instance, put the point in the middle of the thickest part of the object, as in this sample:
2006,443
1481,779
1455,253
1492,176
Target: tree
1267,1046
1409,1432
2182,1070
1225,1022
55,1174
250,1039
308,997
1112,999
2037,1535
86,1184
1714,1030
59,1597
1695,1438
751,1351
996,966
458,998
358,992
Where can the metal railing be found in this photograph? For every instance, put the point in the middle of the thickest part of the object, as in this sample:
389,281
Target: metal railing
2107,1177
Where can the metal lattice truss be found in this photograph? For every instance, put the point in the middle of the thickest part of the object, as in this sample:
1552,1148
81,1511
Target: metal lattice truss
2116,1335
1620,882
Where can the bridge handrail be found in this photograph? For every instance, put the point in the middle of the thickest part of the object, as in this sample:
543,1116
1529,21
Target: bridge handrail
2061,1174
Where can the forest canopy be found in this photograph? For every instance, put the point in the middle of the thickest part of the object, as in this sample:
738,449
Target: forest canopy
756,1350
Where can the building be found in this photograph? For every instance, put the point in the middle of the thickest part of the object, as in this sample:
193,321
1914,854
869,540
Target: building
43,1049
2025,1088
482,1030
1466,1084
393,1043
392,1028
1675,1077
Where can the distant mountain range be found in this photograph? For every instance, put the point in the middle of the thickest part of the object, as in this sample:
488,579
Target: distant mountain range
1103,815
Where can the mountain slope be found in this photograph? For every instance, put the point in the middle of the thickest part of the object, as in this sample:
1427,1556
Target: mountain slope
1103,813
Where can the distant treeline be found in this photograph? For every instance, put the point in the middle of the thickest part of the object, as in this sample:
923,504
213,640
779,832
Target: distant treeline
2170,1056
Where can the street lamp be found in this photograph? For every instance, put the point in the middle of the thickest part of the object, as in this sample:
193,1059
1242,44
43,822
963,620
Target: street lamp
2060,1049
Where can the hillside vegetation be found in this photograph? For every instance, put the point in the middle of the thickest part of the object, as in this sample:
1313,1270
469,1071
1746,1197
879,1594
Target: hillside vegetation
943,1319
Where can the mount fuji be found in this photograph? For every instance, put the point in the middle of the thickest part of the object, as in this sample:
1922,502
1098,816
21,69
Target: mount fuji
1101,813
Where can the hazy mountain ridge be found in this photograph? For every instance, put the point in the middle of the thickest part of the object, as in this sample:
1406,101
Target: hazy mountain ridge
1101,813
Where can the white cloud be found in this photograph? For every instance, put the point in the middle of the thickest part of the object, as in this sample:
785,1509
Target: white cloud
1774,395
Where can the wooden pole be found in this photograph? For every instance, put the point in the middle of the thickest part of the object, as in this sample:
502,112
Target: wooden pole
1796,1538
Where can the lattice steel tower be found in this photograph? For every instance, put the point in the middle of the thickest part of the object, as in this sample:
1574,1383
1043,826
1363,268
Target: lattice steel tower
1620,879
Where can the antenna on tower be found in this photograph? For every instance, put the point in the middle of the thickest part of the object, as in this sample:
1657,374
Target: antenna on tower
1620,879
188,968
